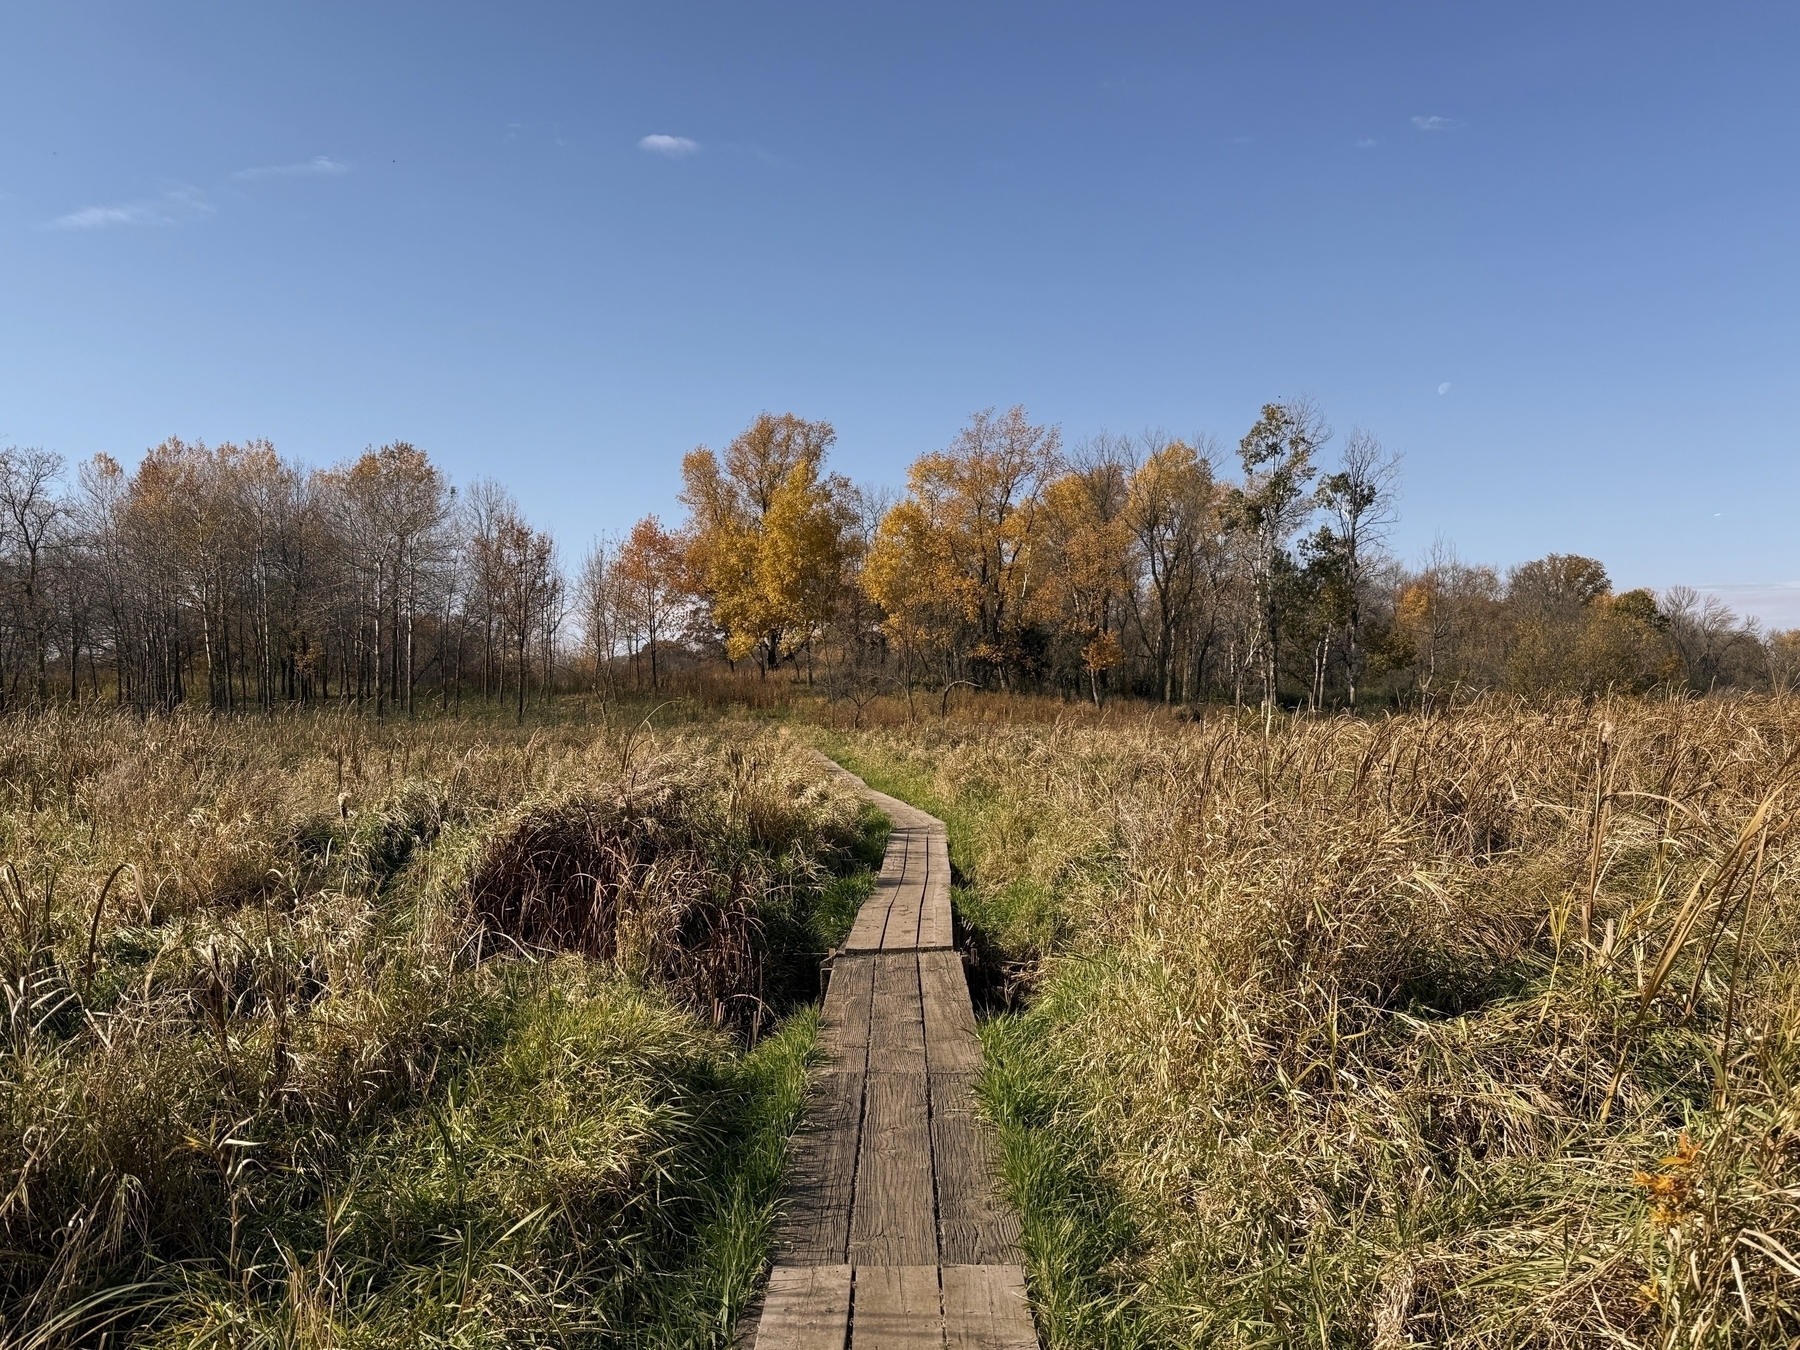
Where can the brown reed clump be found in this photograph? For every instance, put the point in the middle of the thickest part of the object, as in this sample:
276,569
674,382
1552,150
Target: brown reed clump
657,880
1475,1029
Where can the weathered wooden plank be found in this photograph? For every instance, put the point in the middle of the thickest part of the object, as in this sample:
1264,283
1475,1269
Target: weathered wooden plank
902,933
871,920
814,1228
951,1045
844,1020
904,857
936,923
897,1308
904,815
894,1172
893,1222
896,1015
894,859
976,1226
806,1308
985,1309
903,918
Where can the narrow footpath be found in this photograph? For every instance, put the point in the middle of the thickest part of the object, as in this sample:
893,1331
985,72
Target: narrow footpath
894,1233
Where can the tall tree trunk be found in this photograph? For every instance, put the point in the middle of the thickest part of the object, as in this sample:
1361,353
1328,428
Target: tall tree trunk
380,615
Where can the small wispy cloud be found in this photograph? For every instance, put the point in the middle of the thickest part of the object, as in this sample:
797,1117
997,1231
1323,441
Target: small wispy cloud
1367,143
674,147
1436,123
182,203
99,217
749,150
319,166
173,207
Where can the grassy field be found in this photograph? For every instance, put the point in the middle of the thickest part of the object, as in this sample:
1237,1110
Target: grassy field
1470,1030
319,1033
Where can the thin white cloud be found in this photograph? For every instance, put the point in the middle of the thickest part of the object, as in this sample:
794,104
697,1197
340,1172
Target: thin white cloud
675,147
319,166
173,207
99,217
762,154
1435,123
1367,143
182,203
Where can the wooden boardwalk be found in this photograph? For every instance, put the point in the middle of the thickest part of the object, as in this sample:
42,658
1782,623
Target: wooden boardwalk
894,1234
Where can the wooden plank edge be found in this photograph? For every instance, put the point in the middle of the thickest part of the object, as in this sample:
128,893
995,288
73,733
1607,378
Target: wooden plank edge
985,1308
806,1308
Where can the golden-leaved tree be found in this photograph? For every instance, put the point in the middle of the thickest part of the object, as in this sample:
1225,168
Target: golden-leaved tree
1175,511
1569,634
951,563
1083,566
652,585
769,537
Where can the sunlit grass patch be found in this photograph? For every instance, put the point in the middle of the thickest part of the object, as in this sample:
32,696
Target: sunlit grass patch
1473,1030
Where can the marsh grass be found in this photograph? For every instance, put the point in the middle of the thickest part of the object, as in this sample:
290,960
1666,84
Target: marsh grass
274,1073
1472,1030
833,914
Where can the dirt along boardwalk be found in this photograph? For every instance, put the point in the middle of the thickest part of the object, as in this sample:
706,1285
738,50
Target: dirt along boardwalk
894,1234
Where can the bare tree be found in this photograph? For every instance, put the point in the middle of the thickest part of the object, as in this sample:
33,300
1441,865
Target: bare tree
485,505
30,509
597,602
1717,648
1360,499
1277,454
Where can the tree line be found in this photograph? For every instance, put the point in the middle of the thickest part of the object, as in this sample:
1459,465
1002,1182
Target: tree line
1150,566
1145,566
232,578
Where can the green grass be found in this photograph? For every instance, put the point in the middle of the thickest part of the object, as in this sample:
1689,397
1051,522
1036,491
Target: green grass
833,911
1074,1233
729,1252
603,1173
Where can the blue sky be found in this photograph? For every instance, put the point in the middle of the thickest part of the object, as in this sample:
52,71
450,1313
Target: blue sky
1546,251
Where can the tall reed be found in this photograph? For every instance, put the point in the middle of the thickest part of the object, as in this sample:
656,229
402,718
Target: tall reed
1476,1029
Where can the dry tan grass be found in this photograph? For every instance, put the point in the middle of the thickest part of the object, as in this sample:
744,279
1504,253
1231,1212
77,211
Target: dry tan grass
270,1073
1391,1032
